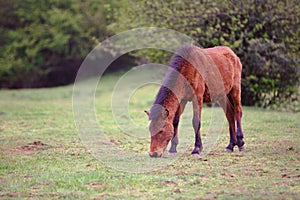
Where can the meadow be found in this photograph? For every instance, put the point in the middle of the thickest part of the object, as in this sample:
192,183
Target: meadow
43,157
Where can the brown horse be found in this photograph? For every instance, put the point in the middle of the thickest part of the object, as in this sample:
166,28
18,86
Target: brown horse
197,75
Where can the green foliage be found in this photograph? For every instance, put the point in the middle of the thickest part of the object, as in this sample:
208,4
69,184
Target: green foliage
45,40
270,75
264,34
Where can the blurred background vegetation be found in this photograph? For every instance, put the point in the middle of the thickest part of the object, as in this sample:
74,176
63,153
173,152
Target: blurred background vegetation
43,42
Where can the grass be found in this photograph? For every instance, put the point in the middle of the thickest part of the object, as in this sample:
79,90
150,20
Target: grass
42,156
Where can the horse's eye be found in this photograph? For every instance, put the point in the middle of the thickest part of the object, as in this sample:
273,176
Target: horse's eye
159,132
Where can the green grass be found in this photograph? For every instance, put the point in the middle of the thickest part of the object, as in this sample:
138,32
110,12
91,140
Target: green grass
42,156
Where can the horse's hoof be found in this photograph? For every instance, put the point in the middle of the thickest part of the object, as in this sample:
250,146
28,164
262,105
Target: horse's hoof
228,150
172,154
197,150
172,151
240,143
242,148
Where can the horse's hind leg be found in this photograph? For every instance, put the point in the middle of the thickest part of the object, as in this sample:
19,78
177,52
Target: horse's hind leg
236,97
174,141
229,111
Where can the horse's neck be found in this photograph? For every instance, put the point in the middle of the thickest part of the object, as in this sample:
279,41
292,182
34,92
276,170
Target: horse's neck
171,103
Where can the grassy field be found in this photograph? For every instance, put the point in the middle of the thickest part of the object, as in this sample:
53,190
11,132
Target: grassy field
42,156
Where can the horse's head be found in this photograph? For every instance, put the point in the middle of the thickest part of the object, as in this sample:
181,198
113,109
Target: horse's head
161,133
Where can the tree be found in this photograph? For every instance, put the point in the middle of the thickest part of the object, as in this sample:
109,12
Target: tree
44,42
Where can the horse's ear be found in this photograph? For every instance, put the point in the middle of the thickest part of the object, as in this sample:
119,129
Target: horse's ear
148,113
165,113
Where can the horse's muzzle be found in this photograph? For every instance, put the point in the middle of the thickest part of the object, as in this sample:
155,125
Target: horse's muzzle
154,155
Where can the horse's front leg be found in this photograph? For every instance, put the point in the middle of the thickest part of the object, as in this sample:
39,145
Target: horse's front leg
197,107
174,141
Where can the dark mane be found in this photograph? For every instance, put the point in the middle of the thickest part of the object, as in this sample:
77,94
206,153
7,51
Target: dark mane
178,58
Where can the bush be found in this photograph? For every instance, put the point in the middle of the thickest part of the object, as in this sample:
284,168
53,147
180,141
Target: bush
270,74
263,33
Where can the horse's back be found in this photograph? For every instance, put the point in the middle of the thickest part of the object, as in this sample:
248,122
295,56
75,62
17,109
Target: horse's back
228,63
223,55
225,61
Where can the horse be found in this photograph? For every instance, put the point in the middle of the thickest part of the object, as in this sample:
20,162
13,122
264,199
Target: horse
201,76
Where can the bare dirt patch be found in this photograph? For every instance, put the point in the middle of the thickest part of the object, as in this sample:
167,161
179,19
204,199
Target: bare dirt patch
96,185
33,146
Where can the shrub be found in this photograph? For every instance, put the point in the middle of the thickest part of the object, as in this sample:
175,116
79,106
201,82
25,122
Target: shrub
270,74
263,33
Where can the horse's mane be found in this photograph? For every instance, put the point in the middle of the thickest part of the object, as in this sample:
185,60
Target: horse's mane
175,65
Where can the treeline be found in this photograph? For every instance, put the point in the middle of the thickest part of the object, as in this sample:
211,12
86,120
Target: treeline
45,41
